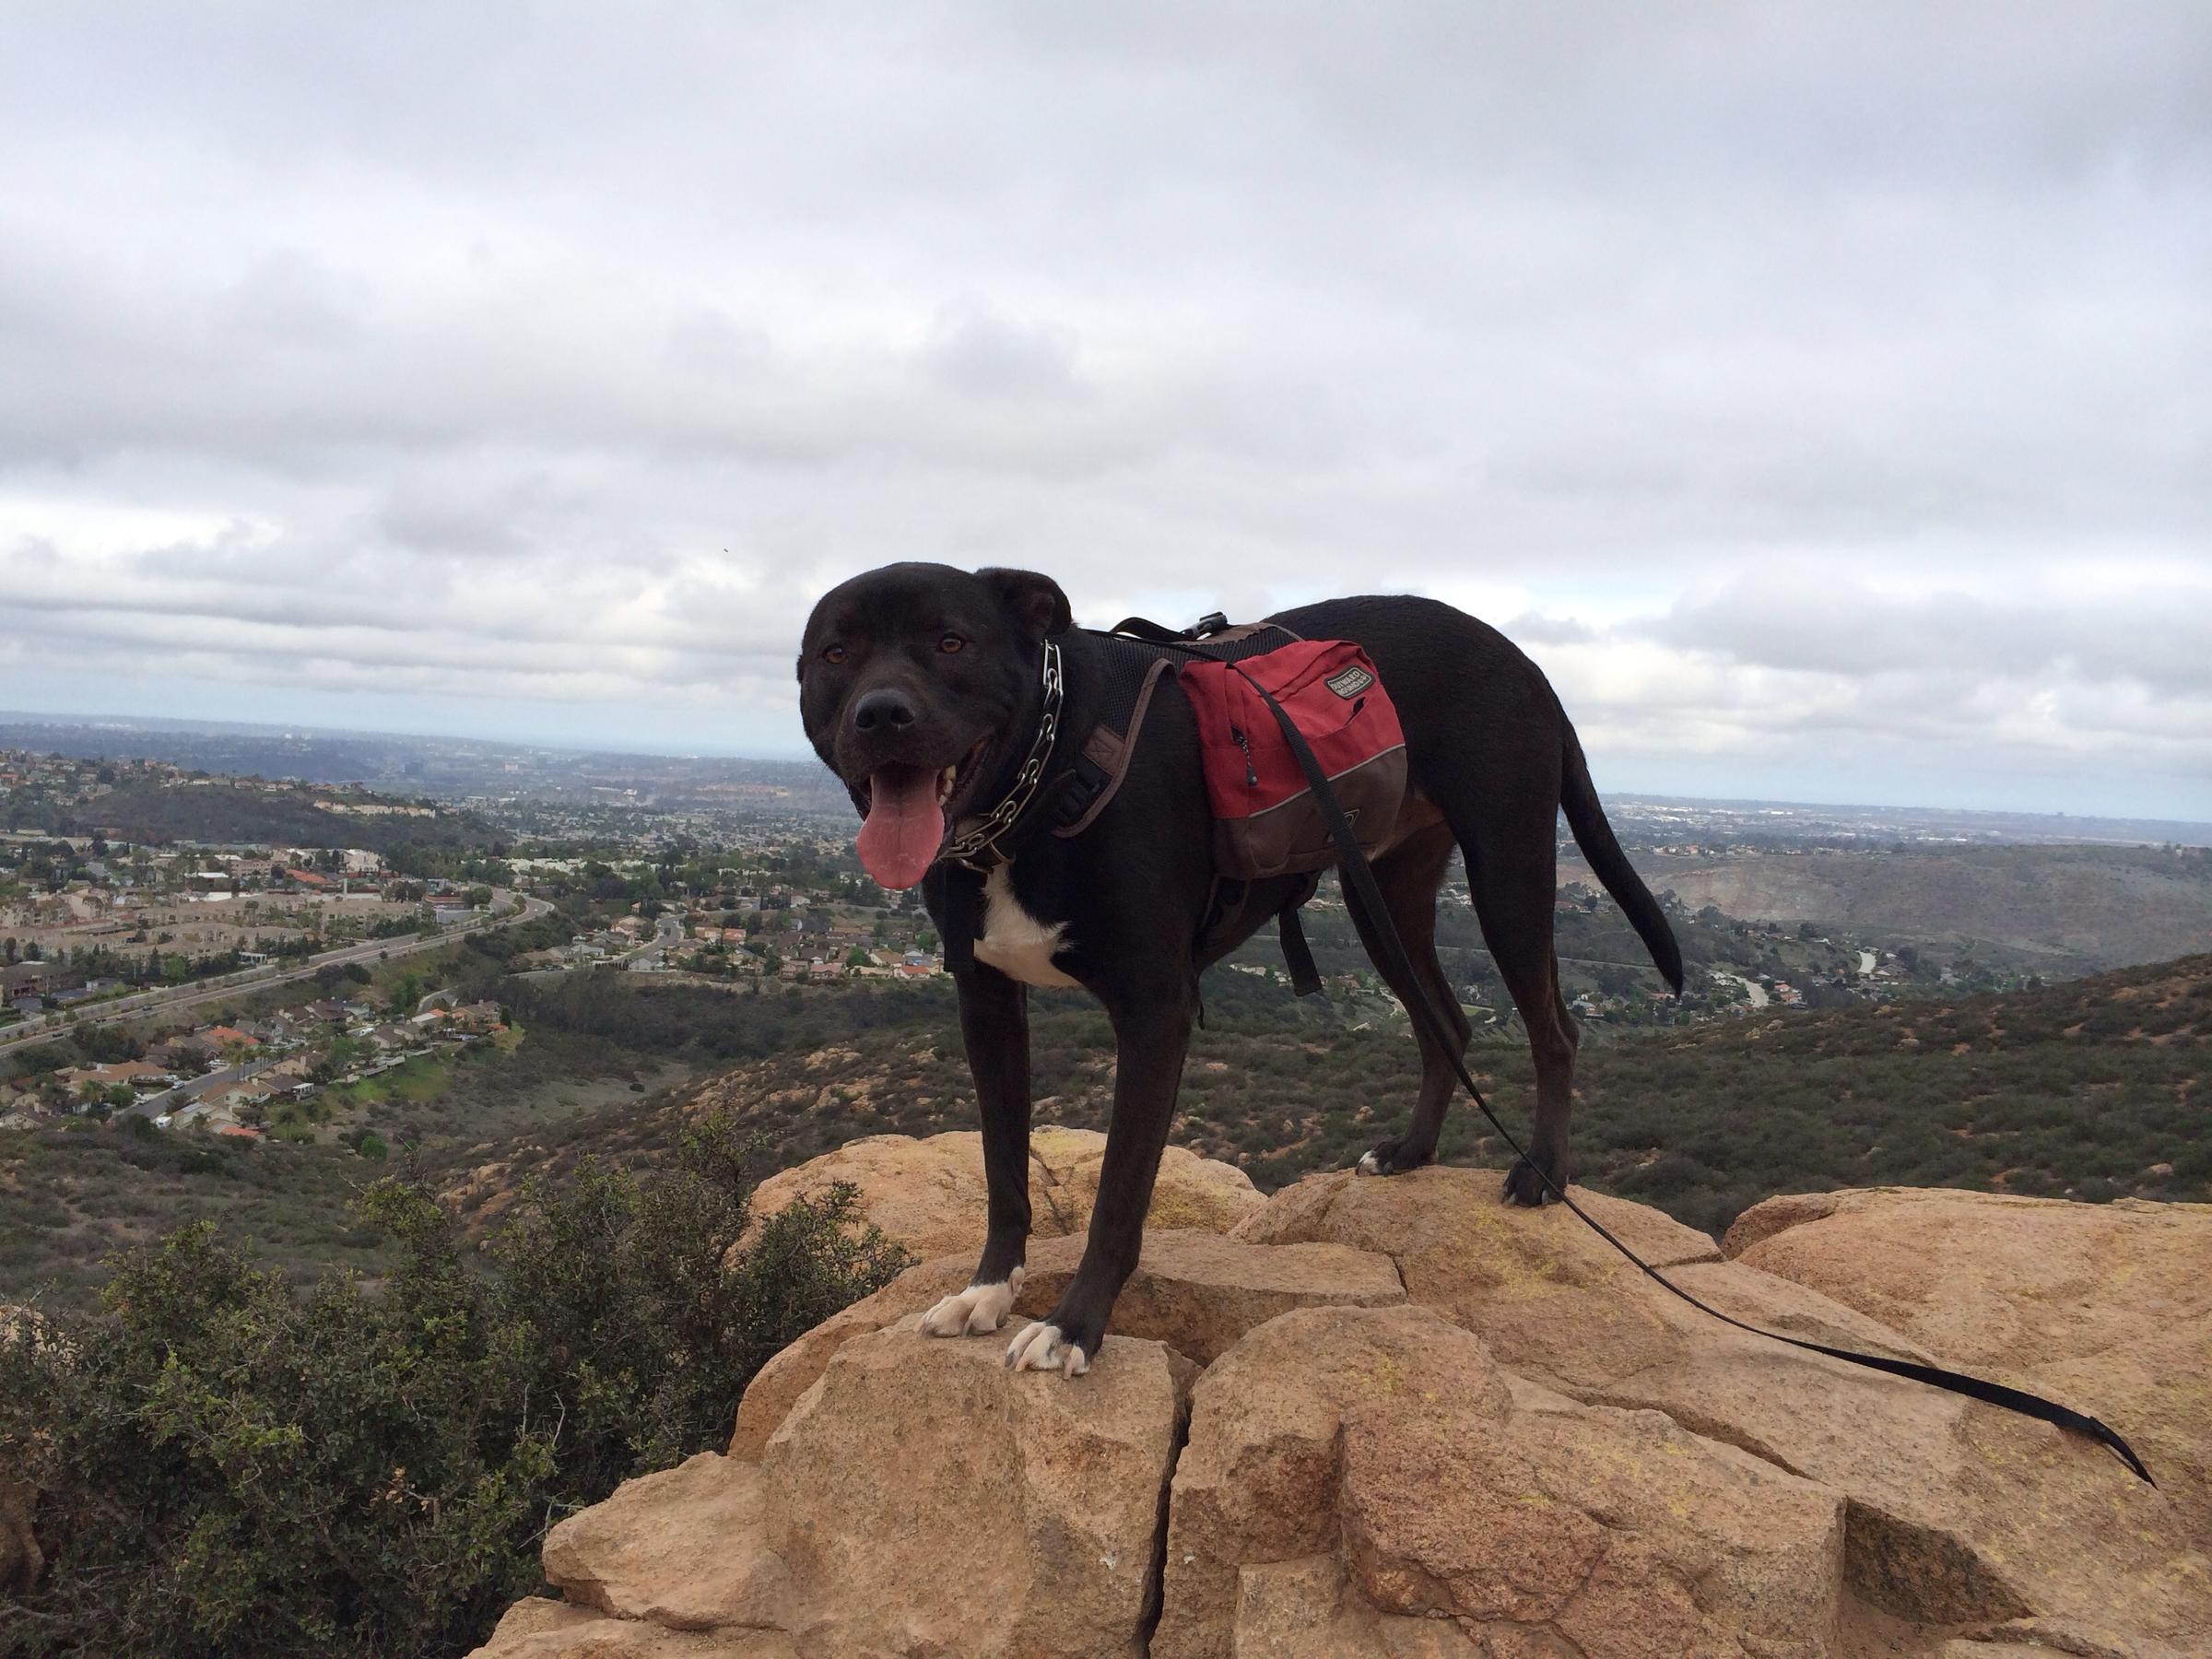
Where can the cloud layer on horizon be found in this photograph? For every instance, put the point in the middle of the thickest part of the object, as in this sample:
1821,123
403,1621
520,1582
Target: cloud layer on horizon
1822,395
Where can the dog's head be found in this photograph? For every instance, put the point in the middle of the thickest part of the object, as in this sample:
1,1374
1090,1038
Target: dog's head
917,684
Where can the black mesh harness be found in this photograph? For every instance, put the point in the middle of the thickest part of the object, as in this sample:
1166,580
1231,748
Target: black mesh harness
1067,777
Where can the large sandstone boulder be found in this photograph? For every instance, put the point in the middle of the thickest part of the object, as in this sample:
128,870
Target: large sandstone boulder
637,1555
1958,1512
997,1511
1436,1206
1349,1466
922,1498
776,1386
928,1195
1424,1424
2107,1306
538,1628
1554,1300
1195,1291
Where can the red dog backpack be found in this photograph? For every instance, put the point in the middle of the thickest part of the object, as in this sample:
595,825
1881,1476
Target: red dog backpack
1267,821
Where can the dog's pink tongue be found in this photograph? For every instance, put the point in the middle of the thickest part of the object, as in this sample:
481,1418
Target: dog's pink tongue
905,826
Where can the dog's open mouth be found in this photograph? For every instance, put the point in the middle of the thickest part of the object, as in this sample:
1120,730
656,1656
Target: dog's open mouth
909,810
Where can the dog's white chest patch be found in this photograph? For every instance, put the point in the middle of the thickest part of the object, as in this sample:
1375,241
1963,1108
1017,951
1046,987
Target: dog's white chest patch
1013,941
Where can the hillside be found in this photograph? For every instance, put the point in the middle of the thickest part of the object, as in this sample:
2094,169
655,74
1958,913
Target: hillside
233,810
2057,909
2092,1088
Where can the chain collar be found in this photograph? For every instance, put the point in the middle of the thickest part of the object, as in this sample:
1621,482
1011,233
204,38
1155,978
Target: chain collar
977,849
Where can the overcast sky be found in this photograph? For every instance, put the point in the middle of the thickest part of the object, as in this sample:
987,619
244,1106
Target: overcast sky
1822,395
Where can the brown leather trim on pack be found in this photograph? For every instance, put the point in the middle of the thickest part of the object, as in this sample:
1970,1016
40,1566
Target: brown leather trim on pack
1293,836
1111,750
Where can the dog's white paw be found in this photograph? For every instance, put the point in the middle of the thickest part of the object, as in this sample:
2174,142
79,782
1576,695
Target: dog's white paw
1041,1347
975,1311
1370,1164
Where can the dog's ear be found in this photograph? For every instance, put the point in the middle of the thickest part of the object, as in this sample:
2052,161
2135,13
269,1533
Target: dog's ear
1034,601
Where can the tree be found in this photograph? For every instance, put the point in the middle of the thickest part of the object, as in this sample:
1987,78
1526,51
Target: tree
406,990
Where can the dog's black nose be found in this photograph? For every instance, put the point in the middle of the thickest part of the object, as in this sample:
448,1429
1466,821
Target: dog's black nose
882,707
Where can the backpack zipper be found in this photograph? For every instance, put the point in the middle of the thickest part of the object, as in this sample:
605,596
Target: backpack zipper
1252,775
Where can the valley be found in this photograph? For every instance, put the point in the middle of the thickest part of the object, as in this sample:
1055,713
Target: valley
1868,999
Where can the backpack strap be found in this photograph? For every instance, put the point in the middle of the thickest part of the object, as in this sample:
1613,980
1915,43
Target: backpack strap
1104,762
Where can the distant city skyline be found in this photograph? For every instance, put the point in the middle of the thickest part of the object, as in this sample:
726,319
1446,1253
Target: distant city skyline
1817,393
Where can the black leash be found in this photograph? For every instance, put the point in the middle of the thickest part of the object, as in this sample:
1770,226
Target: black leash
1359,881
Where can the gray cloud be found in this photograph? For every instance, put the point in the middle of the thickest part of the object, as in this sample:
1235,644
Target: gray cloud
1816,620
1813,382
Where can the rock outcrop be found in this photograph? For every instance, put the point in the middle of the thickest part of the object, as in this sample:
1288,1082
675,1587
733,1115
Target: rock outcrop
1395,1417
1026,1517
2108,1304
1387,1452
928,1195
1198,1291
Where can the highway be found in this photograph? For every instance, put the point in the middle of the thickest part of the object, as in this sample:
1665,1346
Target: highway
46,1026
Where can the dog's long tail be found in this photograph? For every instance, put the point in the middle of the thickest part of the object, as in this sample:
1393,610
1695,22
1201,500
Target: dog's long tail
1594,835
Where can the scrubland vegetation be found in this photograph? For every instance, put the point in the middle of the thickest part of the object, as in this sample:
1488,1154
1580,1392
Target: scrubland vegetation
227,1464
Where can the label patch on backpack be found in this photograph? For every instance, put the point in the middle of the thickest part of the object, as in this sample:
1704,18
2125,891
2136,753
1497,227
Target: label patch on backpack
1349,682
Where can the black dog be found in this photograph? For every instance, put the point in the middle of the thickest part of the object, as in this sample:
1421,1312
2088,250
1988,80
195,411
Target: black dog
925,688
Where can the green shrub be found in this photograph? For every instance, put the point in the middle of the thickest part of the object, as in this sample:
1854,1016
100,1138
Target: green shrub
226,1465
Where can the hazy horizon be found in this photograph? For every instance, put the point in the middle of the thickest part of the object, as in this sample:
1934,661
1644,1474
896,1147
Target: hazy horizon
87,720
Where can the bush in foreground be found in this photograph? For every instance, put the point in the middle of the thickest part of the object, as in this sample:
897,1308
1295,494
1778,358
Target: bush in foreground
226,1466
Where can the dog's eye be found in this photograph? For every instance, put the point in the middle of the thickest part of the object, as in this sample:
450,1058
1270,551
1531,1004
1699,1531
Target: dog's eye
833,654
950,643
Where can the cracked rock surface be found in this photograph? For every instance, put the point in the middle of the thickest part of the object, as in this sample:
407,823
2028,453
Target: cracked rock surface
1395,1417
2108,1304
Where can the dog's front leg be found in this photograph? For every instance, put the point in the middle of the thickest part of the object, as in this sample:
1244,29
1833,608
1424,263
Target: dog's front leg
995,1027
1150,1038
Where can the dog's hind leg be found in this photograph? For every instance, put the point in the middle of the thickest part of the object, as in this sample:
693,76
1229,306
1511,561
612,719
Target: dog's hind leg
1514,888
1409,876
995,1027
1510,838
